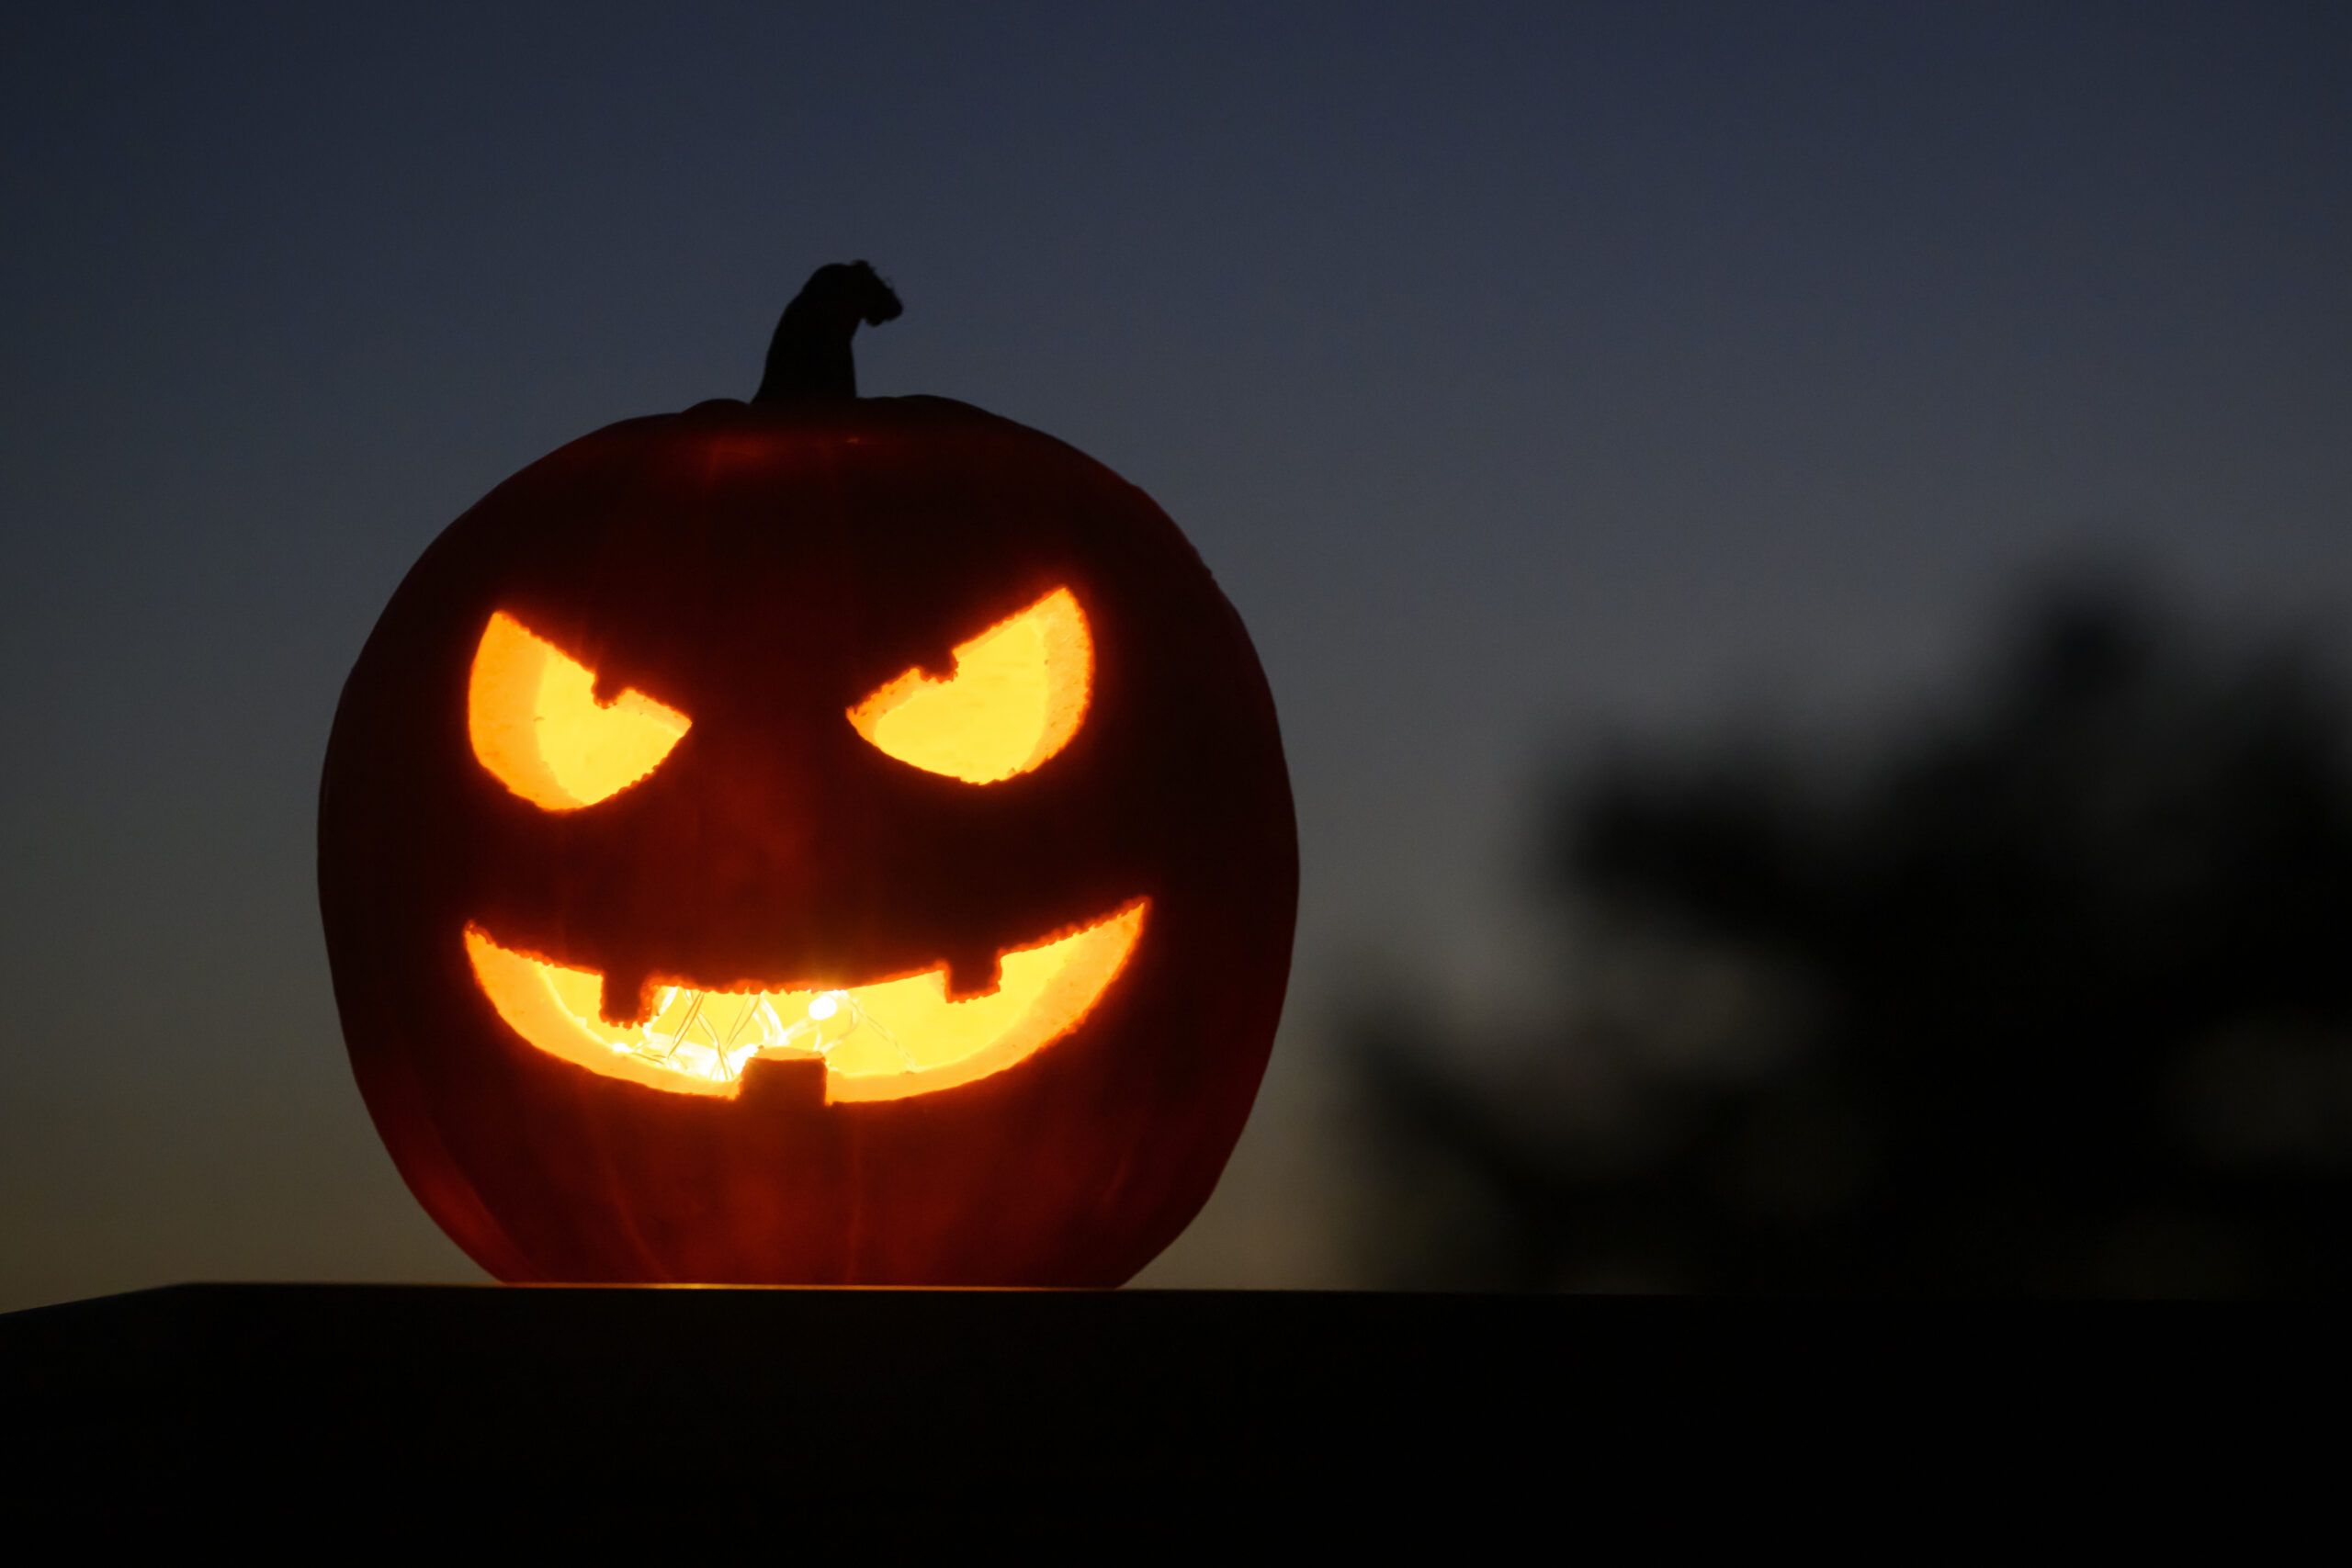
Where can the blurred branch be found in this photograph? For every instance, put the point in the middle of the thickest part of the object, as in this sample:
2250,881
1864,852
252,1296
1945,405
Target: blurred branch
2021,1003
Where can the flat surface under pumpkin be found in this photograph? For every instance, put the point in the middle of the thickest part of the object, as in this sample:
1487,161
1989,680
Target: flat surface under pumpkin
834,1412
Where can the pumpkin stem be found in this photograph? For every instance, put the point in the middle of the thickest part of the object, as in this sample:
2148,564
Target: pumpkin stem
810,356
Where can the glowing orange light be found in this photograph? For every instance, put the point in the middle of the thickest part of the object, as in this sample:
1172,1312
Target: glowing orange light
882,1041
535,723
1018,694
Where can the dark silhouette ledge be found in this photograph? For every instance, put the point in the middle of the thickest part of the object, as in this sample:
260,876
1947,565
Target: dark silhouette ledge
569,1406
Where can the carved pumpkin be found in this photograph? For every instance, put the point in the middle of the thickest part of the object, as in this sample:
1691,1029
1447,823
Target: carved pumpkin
825,840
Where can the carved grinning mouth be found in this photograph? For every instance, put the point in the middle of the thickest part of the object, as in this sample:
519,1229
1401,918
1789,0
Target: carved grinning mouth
880,1041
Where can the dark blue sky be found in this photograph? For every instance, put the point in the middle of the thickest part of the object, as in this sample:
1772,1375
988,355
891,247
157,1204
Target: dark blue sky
1524,374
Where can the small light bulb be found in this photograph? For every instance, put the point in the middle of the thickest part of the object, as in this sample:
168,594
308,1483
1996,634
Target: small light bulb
823,1006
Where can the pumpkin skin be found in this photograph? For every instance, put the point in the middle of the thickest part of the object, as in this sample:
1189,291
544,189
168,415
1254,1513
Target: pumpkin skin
762,569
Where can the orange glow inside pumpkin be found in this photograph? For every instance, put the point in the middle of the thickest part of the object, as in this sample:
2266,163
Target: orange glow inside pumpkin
1017,695
880,1041
537,727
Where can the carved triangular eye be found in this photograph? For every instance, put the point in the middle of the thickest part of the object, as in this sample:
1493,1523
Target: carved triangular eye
536,725
1018,694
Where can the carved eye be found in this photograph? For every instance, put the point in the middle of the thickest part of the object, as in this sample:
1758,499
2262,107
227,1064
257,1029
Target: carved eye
1018,694
538,726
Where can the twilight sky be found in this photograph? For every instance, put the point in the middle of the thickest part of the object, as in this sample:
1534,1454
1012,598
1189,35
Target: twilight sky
1526,374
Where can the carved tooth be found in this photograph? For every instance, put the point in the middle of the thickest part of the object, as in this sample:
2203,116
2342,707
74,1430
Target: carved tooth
628,998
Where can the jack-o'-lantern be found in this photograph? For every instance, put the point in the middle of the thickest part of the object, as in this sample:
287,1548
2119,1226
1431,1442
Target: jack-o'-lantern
821,840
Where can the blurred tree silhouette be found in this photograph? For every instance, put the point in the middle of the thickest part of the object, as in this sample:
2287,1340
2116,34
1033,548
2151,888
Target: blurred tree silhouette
2053,997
